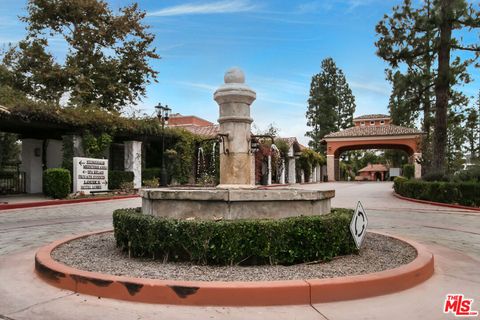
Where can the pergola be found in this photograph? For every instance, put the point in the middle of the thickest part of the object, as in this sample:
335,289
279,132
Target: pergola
372,132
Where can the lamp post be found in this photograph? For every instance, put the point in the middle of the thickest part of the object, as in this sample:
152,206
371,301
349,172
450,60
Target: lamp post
163,114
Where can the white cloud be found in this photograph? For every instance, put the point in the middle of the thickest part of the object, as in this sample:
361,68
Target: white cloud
226,6
379,88
197,85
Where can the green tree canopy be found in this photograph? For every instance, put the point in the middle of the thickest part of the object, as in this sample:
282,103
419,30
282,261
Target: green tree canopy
107,62
416,36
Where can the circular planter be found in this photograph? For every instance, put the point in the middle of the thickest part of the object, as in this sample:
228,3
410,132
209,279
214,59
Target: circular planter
219,293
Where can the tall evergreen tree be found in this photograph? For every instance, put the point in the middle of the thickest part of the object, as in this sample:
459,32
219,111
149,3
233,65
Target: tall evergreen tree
331,104
472,129
417,35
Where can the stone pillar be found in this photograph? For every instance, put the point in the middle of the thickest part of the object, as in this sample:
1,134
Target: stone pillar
269,170
282,171
312,175
337,169
331,167
302,176
32,165
417,166
234,99
252,168
319,173
292,177
54,152
133,161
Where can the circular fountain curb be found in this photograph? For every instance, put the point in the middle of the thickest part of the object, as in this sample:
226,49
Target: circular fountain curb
219,293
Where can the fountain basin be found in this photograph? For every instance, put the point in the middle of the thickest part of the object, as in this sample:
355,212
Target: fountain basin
213,203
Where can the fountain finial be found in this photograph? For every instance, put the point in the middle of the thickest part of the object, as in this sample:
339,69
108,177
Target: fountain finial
234,75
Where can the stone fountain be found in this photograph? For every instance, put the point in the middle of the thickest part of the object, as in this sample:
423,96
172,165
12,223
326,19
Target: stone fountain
236,197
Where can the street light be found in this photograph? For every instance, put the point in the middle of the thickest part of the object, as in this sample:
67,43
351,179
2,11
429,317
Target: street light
163,114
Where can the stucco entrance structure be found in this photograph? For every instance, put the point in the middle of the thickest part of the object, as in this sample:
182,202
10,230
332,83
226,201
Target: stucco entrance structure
372,131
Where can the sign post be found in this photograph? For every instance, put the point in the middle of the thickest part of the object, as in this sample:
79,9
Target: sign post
358,225
90,174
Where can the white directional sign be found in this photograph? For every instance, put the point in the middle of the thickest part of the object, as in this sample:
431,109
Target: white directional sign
90,174
358,225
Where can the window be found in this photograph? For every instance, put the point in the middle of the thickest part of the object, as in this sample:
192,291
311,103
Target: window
382,122
362,123
372,123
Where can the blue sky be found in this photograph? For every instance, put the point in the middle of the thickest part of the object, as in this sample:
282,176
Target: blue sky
278,44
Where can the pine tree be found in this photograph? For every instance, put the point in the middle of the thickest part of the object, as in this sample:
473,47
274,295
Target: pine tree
331,104
472,130
420,37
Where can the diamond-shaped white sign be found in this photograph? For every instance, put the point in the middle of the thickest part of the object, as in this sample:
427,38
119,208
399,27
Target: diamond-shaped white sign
358,225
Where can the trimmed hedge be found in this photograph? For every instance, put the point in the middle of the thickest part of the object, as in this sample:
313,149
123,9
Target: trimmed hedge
250,242
464,193
56,183
116,178
151,173
408,171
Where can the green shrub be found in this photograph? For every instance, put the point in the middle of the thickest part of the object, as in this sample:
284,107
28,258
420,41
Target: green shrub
464,193
470,174
117,177
284,241
408,171
150,173
56,183
152,183
436,176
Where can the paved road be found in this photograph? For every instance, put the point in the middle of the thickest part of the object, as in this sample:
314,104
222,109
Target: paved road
453,236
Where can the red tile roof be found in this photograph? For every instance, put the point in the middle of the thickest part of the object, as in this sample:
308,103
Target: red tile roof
374,167
372,131
206,131
372,116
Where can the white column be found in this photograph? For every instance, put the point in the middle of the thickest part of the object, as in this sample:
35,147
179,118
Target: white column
291,171
282,171
54,152
133,161
318,170
252,168
417,166
312,175
302,176
32,164
331,167
269,170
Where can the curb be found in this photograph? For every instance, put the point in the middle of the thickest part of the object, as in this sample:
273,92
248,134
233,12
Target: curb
433,203
60,202
222,293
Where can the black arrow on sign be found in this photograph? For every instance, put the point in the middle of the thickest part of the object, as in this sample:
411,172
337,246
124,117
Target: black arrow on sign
360,213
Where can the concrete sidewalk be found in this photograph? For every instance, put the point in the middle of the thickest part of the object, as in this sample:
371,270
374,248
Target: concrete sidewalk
24,296
23,198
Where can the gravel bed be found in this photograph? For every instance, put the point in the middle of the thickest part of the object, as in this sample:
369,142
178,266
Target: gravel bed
98,253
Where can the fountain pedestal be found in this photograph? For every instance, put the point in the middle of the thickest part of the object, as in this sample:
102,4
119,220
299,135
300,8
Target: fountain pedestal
236,196
230,204
234,99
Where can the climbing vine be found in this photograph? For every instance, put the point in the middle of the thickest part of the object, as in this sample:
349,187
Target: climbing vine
96,146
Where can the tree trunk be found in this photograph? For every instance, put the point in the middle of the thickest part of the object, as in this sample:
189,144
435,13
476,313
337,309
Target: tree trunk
442,88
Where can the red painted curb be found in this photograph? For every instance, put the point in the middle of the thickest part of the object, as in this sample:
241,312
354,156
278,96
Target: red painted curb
222,293
60,202
440,204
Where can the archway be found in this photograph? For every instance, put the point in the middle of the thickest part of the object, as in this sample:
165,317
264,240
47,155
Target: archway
372,132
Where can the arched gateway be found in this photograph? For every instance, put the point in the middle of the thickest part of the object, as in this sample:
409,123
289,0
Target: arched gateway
372,131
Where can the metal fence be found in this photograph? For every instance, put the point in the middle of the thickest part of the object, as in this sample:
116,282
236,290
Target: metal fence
12,182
